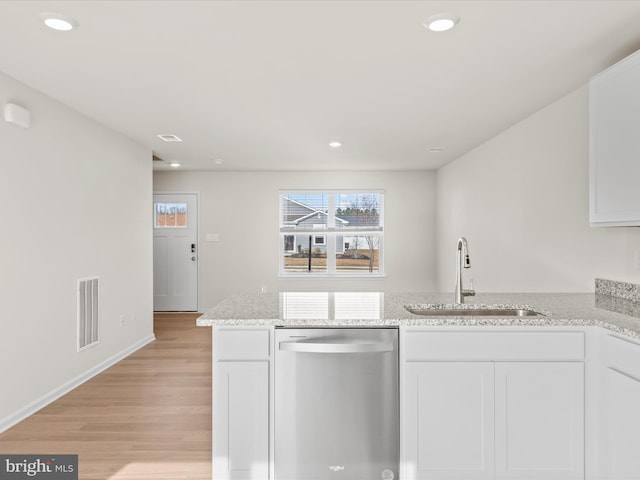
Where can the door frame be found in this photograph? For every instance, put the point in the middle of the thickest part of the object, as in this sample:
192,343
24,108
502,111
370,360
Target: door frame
198,243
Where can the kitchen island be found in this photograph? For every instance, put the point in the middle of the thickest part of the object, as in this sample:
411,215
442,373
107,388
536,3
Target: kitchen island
540,397
313,309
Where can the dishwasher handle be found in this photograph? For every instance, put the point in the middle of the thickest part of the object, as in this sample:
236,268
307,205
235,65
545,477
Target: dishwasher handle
318,347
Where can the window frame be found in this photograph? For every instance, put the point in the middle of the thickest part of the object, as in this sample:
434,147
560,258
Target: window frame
293,243
331,234
180,209
323,243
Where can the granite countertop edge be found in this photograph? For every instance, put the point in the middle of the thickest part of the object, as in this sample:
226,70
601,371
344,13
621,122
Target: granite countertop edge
616,315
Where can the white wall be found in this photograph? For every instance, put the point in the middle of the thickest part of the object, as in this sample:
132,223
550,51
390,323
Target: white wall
76,202
521,200
242,207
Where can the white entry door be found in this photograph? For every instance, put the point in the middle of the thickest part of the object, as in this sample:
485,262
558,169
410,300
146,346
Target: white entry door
175,252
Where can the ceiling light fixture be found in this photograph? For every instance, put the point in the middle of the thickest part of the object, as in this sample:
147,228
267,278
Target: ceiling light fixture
335,144
169,137
441,22
174,164
218,161
58,21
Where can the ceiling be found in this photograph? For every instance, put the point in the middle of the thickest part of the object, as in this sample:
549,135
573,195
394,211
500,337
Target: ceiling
265,85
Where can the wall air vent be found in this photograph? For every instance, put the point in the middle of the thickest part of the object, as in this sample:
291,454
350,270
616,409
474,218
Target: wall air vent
88,290
170,138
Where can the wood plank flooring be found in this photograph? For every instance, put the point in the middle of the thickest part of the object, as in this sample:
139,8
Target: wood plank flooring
148,417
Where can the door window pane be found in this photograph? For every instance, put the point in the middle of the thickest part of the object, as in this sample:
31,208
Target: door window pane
170,215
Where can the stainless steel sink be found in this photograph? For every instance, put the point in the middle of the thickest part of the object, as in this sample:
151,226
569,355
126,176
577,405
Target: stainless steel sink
469,310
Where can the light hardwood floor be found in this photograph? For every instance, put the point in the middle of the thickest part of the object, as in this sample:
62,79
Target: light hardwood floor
148,417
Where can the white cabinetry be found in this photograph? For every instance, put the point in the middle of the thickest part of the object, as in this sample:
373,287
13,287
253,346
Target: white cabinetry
620,420
614,116
241,398
449,420
500,404
539,420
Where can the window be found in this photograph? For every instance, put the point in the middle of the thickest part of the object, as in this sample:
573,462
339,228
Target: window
331,233
289,241
170,215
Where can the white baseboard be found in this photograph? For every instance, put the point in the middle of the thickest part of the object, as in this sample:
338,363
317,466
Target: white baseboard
14,418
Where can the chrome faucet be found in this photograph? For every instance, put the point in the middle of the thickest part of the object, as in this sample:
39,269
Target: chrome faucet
462,262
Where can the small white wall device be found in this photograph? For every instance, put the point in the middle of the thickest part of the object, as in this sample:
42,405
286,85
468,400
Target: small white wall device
17,115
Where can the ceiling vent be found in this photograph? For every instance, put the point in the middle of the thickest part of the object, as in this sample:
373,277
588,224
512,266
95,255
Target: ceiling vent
170,138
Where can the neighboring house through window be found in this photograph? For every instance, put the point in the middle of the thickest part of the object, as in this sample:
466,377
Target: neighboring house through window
331,232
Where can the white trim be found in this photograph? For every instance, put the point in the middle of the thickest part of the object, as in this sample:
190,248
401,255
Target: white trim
16,417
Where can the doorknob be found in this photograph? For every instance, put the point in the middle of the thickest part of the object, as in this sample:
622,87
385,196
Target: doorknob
193,259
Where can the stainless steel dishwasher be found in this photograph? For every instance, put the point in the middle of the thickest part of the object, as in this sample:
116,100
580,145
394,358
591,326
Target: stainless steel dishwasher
336,404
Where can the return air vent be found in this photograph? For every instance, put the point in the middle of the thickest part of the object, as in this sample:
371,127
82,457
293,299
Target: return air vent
88,290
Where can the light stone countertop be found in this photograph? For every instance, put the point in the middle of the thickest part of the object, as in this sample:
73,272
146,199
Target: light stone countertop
371,309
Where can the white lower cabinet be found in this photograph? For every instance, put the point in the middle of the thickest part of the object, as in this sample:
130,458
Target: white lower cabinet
620,446
478,416
476,404
241,399
539,408
448,420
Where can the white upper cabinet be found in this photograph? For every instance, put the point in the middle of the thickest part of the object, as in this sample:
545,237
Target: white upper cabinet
614,137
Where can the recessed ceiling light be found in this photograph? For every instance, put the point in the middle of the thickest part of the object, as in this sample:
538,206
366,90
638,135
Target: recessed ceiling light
169,138
335,144
441,22
218,161
174,164
58,21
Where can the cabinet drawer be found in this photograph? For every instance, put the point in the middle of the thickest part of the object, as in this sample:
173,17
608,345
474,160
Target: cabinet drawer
623,355
493,346
238,343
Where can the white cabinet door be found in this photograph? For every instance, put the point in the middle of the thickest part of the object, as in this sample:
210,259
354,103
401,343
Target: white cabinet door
539,420
622,426
614,114
620,420
241,420
448,420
